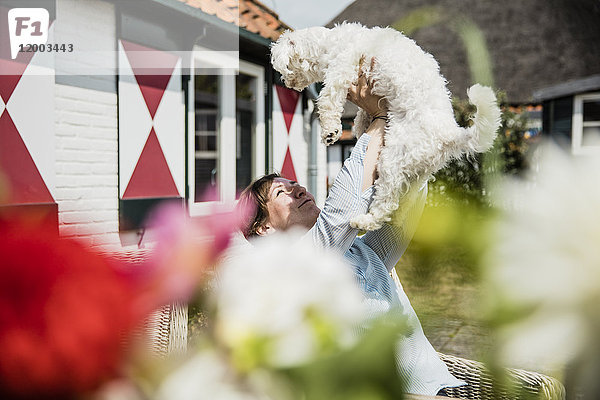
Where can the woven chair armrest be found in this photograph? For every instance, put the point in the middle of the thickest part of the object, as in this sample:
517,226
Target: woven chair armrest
165,330
517,383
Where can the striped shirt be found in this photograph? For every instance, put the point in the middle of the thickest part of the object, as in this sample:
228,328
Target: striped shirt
373,256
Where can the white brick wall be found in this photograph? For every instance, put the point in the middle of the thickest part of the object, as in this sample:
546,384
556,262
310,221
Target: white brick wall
87,168
86,130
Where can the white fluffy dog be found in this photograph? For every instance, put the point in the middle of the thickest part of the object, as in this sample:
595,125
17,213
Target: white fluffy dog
421,135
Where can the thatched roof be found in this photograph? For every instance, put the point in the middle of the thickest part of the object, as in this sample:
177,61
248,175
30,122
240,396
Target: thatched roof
532,44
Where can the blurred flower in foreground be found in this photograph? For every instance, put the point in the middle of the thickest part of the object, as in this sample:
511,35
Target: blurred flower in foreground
544,273
288,324
285,322
283,302
63,313
206,376
185,250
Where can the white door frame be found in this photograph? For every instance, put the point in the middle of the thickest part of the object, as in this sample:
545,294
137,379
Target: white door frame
226,132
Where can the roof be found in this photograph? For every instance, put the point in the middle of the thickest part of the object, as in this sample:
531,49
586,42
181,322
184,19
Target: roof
532,44
591,83
250,15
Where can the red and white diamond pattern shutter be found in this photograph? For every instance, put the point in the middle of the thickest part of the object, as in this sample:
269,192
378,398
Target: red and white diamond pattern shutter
289,145
27,146
151,123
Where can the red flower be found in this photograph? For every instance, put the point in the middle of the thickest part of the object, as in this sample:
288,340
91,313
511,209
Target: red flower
63,312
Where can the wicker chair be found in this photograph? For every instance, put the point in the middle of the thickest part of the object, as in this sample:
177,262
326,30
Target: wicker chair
517,385
165,330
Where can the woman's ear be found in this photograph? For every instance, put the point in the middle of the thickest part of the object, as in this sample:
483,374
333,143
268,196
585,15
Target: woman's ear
265,230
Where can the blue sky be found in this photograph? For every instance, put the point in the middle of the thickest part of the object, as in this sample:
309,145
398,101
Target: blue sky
304,13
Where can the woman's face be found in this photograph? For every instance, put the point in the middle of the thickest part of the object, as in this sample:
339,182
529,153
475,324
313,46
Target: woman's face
289,205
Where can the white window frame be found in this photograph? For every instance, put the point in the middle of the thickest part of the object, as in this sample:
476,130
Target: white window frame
577,125
226,132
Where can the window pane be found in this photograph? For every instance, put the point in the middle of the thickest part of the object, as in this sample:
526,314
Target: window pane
591,136
591,110
206,141
245,87
561,121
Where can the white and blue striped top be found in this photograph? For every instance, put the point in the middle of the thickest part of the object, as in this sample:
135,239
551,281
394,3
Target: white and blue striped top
373,256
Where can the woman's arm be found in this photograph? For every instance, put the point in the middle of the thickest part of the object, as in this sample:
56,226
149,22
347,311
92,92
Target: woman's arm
360,94
344,201
352,190
375,131
390,241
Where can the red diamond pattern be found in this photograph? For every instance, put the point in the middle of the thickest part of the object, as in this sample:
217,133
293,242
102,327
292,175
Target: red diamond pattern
16,163
11,70
152,81
288,100
287,169
152,176
11,73
26,183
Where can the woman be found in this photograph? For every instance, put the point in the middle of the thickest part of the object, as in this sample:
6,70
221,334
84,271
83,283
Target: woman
282,204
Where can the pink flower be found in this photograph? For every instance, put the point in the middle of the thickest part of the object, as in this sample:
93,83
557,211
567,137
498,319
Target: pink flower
186,249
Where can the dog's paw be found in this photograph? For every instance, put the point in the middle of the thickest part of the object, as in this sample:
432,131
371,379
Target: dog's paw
331,135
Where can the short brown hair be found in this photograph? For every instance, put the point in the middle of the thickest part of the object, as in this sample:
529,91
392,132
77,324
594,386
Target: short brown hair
256,197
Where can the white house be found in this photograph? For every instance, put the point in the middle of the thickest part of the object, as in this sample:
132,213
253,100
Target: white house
134,102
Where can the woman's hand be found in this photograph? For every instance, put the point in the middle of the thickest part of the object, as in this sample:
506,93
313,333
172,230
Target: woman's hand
361,95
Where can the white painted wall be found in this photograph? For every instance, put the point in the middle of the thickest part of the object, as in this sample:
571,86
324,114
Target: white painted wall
86,128
299,145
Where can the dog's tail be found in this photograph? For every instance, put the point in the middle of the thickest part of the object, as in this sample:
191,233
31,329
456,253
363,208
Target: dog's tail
486,121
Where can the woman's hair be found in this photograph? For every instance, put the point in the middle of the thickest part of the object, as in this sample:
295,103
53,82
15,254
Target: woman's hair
255,198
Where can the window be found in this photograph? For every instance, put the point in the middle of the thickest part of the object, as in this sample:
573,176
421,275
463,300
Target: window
206,155
229,135
586,124
245,110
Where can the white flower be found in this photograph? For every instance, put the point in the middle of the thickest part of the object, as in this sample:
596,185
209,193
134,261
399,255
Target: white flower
284,302
206,376
547,260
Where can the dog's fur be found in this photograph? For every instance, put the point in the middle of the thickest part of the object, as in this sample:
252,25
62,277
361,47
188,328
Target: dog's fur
421,136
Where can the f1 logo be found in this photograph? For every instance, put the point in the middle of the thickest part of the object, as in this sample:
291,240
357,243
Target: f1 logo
27,26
